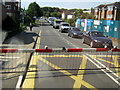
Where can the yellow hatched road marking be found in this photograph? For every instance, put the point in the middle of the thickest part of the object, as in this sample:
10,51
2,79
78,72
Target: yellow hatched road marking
105,60
88,85
79,77
30,78
56,67
66,72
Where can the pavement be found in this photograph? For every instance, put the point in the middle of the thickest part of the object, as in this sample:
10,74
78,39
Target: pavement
24,40
115,42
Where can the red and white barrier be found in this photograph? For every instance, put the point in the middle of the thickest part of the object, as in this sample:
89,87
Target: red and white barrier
59,49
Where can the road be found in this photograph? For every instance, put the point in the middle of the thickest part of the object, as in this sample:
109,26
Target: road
60,69
45,78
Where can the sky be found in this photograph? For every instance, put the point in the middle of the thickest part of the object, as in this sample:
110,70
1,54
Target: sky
69,4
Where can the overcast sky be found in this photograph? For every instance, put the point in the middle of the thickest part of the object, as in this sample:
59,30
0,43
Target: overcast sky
69,4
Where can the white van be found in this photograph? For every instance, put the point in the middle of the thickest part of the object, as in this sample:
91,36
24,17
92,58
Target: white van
56,23
64,27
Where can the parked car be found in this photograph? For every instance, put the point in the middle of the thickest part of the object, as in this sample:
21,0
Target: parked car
96,39
64,27
50,19
56,23
51,22
75,32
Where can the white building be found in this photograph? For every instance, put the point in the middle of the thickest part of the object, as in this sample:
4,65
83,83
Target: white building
67,15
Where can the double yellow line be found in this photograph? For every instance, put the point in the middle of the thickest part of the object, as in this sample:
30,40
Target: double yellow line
29,81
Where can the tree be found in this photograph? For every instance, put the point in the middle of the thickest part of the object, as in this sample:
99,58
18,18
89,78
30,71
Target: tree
87,16
34,10
59,15
51,11
71,22
55,14
78,13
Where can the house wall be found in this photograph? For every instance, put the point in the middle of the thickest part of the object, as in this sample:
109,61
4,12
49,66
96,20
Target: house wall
3,9
107,12
11,8
69,16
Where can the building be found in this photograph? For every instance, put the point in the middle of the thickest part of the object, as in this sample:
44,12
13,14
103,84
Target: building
12,7
67,15
107,11
3,11
88,11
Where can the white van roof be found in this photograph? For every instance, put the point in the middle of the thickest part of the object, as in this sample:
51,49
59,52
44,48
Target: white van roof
64,23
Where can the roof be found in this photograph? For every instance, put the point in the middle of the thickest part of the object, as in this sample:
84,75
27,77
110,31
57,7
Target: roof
68,13
104,5
117,4
64,23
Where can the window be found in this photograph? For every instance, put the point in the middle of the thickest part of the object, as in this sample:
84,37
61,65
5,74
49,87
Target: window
110,16
102,16
8,6
9,14
96,10
96,16
110,8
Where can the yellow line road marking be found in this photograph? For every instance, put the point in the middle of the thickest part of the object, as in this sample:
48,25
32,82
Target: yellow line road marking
88,85
56,67
105,60
116,64
29,81
79,77
30,78
104,55
61,56
66,72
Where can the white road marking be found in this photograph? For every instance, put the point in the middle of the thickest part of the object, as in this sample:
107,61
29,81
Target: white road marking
95,63
103,65
9,57
104,71
69,43
19,82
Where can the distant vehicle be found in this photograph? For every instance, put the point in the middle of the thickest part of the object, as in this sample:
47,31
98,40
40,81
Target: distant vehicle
96,39
64,27
75,32
50,19
56,23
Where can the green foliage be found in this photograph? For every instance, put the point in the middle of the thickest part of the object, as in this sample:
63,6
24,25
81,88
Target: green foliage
22,26
59,15
27,20
10,24
78,12
71,21
51,12
87,16
55,14
34,10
